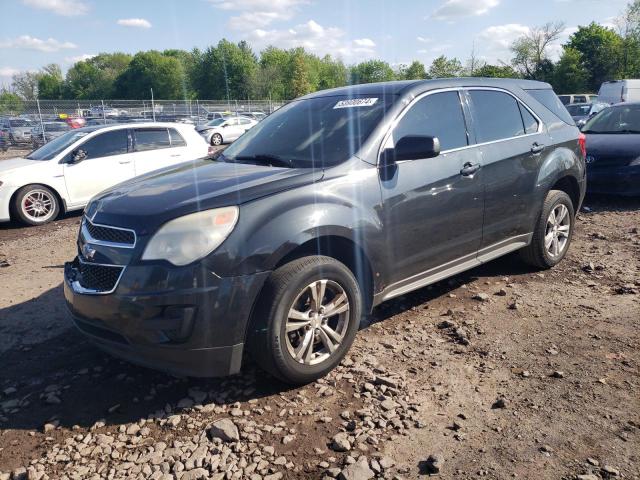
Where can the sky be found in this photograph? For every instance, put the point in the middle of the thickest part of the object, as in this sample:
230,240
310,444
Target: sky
34,33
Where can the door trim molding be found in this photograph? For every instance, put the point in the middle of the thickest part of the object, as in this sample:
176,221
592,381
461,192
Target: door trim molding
453,267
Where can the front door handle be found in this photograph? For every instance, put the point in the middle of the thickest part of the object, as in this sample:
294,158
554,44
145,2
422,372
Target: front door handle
123,162
537,147
469,169
176,155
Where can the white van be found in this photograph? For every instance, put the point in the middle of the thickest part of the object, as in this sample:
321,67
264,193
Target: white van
617,91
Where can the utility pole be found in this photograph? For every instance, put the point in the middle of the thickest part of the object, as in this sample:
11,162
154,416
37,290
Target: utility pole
153,106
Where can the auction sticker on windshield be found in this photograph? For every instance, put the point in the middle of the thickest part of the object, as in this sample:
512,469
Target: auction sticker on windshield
355,102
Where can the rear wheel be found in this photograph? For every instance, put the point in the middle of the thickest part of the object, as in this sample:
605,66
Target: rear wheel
311,307
553,231
35,205
216,139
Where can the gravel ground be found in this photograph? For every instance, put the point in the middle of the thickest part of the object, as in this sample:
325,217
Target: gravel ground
501,372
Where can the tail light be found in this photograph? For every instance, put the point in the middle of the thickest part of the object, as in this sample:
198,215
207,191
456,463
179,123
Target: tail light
211,151
582,141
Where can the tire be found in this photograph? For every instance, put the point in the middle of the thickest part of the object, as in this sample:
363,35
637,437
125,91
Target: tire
35,205
216,139
539,253
12,141
289,288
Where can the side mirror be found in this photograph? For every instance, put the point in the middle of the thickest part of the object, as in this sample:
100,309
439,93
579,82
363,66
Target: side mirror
413,147
78,155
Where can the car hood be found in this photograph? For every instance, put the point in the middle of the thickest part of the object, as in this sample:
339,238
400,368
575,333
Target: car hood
612,149
16,164
149,201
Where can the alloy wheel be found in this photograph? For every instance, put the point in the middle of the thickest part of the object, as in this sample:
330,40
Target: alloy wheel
317,322
557,232
38,205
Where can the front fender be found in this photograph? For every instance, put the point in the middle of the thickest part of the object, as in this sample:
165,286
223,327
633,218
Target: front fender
271,228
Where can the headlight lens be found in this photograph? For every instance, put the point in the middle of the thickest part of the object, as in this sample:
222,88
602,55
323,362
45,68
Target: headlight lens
189,238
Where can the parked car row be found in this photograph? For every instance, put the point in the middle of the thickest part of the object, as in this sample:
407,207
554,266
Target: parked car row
65,173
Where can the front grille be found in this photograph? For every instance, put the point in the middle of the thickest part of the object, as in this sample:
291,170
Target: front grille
108,234
99,278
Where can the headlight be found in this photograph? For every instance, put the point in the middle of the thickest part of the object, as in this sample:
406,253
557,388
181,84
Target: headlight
189,238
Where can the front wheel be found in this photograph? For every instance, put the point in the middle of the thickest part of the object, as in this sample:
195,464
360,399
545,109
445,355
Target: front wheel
312,308
553,231
35,205
216,139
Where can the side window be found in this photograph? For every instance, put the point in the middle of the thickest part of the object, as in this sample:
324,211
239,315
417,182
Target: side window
530,122
579,99
106,144
496,115
232,122
437,115
244,121
176,138
151,139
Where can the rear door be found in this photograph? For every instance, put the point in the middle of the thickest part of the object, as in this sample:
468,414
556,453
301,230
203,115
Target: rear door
512,142
107,162
153,149
232,129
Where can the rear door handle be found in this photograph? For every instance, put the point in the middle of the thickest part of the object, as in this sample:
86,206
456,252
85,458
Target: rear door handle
176,155
469,169
537,147
122,162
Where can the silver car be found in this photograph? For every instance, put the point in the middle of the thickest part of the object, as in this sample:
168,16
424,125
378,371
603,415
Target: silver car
18,130
221,130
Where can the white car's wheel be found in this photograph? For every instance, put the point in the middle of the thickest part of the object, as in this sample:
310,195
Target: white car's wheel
216,139
36,205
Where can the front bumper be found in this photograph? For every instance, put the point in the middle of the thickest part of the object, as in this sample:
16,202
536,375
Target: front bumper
623,180
182,320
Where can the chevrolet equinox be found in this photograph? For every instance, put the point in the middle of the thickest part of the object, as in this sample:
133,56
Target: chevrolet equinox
338,201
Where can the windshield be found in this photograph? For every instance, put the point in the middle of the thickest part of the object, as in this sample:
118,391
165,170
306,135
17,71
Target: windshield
216,122
55,146
576,110
317,132
619,119
19,122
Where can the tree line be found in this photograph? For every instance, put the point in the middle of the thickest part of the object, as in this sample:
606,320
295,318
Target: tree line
593,53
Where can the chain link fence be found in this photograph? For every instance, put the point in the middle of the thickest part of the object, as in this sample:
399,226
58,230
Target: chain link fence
30,123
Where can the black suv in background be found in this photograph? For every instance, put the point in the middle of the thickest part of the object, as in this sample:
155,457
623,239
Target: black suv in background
335,203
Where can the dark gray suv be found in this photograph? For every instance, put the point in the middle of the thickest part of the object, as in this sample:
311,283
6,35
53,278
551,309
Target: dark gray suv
338,201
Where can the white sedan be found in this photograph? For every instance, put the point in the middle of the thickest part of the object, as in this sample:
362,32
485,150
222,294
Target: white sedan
225,130
65,173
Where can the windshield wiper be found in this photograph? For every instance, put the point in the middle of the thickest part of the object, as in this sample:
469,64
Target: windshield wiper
271,160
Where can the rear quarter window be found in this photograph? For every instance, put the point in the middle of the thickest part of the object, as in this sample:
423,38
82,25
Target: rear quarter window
550,100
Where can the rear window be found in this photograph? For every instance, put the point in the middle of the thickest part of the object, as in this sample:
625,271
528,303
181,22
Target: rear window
176,138
497,115
549,99
151,139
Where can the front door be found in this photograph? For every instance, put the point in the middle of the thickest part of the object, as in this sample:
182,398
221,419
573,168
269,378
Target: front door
432,208
232,129
107,162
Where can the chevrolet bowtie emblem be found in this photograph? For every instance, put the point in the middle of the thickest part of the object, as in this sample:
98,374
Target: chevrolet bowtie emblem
88,252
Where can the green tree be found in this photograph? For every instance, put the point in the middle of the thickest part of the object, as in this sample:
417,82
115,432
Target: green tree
531,51
299,76
415,71
50,82
151,70
25,85
570,74
95,78
10,103
496,71
332,73
226,71
601,50
372,71
443,67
